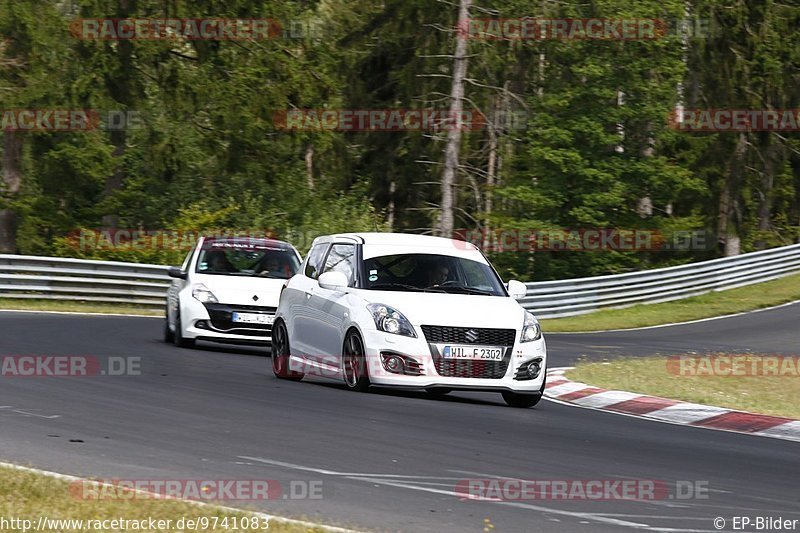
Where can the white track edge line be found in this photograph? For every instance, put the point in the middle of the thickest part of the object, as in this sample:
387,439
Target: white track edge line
663,421
71,478
77,313
708,319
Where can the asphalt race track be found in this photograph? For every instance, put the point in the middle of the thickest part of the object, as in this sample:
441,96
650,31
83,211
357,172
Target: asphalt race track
387,461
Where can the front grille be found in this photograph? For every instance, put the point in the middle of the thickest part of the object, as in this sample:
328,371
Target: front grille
242,308
458,335
222,319
471,369
459,368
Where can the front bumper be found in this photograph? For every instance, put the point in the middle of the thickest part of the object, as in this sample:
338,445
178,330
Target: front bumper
214,323
377,342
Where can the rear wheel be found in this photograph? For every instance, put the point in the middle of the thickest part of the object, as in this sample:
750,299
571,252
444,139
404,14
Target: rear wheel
178,338
280,354
354,363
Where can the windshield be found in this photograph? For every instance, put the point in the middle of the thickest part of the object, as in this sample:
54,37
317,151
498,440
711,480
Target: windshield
431,273
234,259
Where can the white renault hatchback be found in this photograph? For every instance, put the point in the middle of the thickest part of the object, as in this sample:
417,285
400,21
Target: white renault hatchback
401,310
227,291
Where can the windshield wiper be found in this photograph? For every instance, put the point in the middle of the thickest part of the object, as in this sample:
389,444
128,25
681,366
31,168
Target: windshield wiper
394,286
465,290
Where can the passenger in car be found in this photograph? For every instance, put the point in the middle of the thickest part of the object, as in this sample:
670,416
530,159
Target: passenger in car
270,265
217,261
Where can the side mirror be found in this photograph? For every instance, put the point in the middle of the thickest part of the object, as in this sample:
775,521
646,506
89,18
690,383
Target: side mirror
176,272
335,281
517,289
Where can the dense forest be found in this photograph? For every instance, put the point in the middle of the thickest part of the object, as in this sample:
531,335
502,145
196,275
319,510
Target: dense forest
565,130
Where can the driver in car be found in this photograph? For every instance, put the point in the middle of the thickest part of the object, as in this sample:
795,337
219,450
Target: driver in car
270,265
438,274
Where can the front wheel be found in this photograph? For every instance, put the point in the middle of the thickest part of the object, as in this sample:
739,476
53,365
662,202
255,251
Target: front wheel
169,337
178,338
280,354
354,363
515,399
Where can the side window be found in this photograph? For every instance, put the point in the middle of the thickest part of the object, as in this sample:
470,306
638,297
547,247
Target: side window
342,259
314,259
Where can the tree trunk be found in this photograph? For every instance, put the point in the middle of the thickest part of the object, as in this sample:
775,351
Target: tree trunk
120,84
391,209
726,237
773,161
491,168
451,153
12,180
114,181
310,166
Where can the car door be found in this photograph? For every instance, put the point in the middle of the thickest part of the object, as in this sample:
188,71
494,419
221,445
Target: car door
303,318
330,306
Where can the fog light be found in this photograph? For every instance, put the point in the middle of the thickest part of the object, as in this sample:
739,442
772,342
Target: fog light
201,324
534,368
393,364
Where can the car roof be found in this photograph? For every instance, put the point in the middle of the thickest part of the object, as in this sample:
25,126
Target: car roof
393,239
382,244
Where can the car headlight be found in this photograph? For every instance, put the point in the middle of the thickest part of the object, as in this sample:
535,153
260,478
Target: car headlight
531,330
203,294
391,320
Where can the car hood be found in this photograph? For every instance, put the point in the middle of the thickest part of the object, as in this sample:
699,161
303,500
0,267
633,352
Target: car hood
466,310
241,290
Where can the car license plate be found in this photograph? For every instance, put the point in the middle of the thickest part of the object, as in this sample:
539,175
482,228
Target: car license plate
253,318
483,353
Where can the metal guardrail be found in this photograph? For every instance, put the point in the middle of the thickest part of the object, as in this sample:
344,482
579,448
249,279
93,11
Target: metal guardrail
570,297
55,278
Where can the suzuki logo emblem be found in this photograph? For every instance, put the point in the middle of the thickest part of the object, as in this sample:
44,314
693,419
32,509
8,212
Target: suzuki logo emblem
471,335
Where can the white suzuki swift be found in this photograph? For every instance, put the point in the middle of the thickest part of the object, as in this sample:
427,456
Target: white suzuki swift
227,291
401,310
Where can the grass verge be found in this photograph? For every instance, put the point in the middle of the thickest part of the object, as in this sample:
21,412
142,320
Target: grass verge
75,307
662,376
760,295
28,496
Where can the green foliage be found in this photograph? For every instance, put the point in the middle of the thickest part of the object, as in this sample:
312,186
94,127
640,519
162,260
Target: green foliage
593,148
